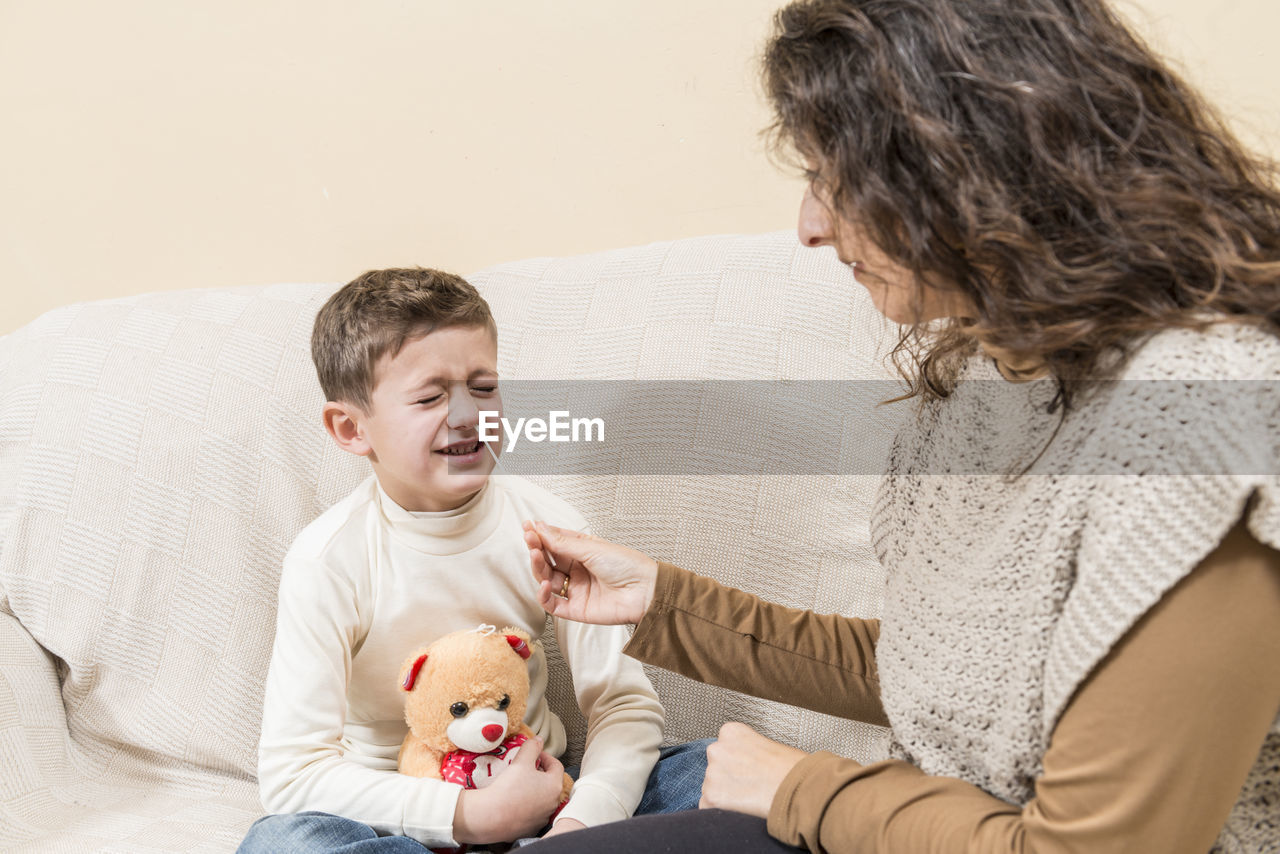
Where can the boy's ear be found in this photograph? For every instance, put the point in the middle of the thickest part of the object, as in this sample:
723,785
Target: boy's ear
344,421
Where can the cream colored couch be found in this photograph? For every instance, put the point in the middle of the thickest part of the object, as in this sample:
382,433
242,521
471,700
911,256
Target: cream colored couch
159,453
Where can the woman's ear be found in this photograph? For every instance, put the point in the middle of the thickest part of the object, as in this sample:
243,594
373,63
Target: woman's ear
344,421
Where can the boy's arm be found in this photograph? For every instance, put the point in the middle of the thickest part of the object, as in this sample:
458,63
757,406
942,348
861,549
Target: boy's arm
624,722
302,764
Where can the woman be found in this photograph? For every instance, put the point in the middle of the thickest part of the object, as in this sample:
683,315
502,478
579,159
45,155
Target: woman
1081,630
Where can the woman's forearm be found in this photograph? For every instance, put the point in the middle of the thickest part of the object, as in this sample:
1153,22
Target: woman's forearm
1150,755
716,634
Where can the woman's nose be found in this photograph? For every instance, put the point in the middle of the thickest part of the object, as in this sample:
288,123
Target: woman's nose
815,227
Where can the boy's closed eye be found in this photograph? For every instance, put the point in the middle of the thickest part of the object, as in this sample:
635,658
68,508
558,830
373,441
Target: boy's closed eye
475,389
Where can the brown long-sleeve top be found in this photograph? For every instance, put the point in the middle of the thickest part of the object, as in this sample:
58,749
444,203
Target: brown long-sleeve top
1150,754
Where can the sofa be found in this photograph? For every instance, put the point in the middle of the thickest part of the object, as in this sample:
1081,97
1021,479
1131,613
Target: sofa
159,453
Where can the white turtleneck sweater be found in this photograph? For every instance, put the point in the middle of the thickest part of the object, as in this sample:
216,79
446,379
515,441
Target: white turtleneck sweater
367,583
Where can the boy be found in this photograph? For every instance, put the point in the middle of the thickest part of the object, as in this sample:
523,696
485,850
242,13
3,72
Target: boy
426,546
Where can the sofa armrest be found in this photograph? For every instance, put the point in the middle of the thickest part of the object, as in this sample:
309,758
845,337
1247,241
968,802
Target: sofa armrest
33,721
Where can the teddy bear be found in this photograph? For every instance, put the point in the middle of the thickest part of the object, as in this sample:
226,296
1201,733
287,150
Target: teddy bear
465,698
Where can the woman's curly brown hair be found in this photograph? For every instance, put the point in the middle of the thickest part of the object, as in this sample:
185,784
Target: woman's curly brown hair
1041,158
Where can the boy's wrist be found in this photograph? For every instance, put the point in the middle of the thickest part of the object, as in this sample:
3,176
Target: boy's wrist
473,819
564,825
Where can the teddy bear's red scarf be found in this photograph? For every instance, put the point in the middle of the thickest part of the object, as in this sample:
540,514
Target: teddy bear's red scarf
460,766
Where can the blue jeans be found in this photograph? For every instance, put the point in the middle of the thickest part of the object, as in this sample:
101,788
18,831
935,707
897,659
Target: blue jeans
675,784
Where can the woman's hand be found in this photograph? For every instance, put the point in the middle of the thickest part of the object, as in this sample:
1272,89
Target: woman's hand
609,584
744,770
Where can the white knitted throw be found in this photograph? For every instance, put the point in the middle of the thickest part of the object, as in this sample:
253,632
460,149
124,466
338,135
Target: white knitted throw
1004,592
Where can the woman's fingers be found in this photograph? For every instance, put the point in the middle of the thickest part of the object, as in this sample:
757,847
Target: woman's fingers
591,580
548,541
545,598
545,568
558,543
538,559
745,770
549,596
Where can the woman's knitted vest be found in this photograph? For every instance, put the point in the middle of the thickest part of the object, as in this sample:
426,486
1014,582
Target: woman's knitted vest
1021,546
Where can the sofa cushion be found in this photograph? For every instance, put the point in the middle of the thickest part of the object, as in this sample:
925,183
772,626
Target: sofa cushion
159,453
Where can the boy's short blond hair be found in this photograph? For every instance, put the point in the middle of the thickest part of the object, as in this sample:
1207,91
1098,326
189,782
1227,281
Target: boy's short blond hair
376,313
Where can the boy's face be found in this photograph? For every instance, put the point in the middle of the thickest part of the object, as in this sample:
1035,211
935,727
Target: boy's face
420,431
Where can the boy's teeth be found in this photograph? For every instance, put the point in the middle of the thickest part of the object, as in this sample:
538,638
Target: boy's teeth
455,450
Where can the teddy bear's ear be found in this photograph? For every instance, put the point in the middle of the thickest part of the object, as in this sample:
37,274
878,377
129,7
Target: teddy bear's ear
520,646
412,675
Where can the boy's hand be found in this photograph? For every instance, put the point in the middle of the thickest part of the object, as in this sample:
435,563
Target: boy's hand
516,804
564,825
608,584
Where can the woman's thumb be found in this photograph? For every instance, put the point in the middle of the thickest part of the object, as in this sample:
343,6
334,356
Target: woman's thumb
562,541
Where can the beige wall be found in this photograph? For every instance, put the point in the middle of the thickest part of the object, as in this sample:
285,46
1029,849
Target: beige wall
155,144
